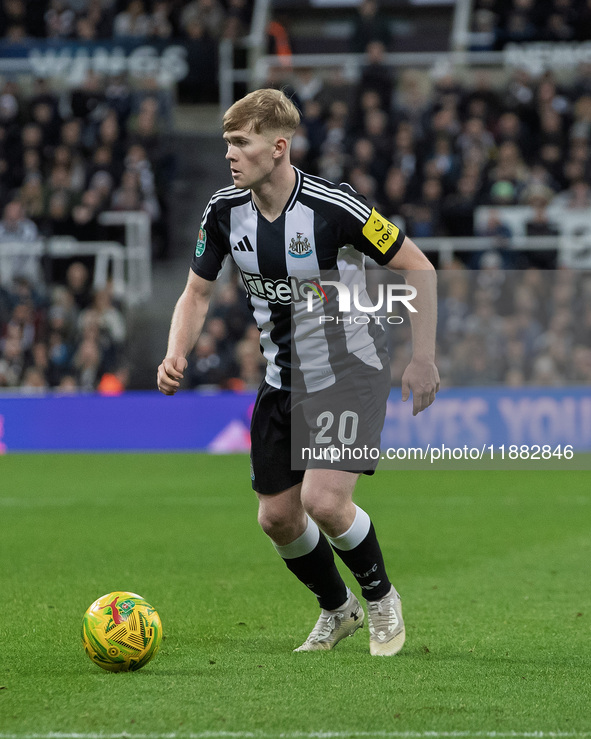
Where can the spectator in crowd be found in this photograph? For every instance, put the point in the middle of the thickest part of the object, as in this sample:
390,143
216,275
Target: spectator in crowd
582,330
481,99
520,21
84,225
144,129
509,127
458,207
101,183
206,366
406,156
110,320
12,362
581,364
32,197
209,14
78,284
540,177
16,227
376,129
376,75
60,355
511,169
94,20
576,197
395,199
410,103
161,25
425,215
43,113
498,254
127,196
365,160
133,22
446,164
71,133
33,381
241,10
370,25
109,135
87,365
56,217
231,308
22,325
87,103
314,128
72,161
118,97
59,19
31,138
6,299
102,161
428,150
39,361
250,360
475,143
60,180
307,85
538,196
454,305
300,149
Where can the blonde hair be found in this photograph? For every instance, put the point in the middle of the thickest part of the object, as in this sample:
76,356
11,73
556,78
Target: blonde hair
261,111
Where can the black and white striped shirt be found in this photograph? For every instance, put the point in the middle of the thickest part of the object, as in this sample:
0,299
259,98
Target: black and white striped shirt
323,233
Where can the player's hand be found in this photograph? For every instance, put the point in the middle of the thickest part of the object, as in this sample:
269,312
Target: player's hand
170,374
422,378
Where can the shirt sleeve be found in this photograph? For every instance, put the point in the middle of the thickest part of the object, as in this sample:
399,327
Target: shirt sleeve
210,249
370,232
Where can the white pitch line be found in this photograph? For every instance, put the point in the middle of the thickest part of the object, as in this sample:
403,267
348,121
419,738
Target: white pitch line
103,502
309,735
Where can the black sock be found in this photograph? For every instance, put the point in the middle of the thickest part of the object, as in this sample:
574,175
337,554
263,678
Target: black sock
367,565
318,571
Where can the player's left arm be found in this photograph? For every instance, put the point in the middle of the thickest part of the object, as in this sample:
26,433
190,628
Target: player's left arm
421,376
384,242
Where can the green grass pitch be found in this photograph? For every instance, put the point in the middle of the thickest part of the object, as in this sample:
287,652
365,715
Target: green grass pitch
493,568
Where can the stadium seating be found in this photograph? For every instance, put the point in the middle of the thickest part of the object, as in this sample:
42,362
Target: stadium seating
486,170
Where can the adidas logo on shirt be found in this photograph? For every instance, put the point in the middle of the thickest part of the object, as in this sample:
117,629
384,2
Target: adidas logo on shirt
244,245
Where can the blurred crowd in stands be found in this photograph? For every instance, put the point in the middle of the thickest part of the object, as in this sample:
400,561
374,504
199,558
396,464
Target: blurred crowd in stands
508,327
496,327
498,22
68,157
427,158
426,151
72,339
65,158
90,20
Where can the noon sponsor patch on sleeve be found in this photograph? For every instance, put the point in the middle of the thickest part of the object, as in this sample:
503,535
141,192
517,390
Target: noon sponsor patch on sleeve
380,231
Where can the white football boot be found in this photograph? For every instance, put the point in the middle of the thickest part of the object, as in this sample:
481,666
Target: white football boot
386,627
332,626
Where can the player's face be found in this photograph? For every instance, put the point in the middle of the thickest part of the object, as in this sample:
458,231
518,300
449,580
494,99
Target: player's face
251,157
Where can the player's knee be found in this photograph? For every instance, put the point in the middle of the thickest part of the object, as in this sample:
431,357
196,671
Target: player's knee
320,508
274,523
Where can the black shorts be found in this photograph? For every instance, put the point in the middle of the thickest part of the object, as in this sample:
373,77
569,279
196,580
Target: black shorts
336,428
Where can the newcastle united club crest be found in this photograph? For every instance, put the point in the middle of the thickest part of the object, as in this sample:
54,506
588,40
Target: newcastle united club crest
299,247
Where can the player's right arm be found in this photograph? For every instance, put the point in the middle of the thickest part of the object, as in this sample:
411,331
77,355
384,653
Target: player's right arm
187,322
191,308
